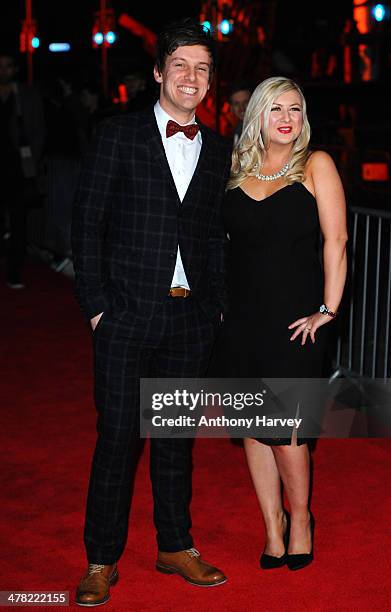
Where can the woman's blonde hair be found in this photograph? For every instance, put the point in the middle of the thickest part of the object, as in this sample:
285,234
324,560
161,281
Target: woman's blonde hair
249,152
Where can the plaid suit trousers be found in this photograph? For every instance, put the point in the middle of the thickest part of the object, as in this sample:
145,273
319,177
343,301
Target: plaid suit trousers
175,343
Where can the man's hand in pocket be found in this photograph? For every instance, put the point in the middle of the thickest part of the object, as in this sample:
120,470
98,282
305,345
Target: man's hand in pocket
95,320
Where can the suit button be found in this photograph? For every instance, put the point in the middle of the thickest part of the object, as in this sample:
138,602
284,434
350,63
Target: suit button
172,255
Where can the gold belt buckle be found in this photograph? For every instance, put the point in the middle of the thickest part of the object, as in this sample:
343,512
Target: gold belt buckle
179,292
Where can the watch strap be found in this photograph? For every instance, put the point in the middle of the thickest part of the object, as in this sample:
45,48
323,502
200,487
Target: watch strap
326,311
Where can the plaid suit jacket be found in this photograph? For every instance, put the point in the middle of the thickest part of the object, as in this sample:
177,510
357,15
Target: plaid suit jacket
128,221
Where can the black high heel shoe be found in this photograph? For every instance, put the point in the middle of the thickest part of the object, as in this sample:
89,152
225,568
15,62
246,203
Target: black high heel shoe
268,561
296,562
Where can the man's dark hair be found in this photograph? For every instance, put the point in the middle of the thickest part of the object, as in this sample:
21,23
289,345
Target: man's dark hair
184,33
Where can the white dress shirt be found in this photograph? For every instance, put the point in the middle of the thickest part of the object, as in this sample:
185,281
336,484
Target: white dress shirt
182,156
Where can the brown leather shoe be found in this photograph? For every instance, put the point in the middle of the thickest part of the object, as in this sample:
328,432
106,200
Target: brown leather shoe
189,565
94,586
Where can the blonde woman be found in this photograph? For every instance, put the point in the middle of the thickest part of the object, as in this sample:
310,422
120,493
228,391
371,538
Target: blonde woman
282,297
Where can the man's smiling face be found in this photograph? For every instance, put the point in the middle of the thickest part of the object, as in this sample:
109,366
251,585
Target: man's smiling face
184,81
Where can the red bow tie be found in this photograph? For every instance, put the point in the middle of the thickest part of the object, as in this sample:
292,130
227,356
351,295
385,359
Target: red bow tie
190,131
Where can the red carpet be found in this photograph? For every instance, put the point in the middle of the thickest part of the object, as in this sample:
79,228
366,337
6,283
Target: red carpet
48,433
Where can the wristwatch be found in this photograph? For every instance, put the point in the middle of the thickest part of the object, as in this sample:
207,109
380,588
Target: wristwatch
324,310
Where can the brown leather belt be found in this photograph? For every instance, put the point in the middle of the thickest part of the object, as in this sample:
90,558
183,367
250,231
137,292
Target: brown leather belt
179,292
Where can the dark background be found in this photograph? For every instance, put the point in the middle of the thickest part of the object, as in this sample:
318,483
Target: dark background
298,27
350,121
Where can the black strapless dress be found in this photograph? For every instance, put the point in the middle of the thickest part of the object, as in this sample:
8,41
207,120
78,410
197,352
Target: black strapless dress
274,277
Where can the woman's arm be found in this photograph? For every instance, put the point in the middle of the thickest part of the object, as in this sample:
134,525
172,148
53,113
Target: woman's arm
330,200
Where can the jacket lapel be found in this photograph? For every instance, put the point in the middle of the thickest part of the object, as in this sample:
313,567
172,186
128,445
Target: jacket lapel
202,163
154,142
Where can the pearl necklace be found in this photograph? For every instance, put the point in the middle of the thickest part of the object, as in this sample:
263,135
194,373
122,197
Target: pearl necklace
273,177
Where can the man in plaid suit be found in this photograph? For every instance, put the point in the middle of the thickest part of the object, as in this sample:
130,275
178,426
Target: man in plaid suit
148,249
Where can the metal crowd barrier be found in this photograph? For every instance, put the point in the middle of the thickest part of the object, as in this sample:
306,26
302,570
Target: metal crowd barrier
363,345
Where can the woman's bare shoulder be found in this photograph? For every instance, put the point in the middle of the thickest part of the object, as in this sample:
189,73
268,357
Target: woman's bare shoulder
319,161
